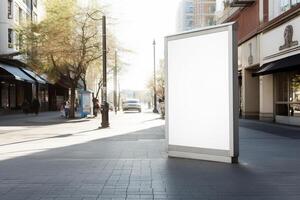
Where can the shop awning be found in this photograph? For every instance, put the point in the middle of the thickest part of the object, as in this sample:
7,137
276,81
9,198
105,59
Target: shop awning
17,73
285,64
35,76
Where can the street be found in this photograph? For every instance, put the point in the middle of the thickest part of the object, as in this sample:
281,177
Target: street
46,157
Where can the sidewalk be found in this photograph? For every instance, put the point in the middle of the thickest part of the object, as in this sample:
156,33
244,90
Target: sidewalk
135,165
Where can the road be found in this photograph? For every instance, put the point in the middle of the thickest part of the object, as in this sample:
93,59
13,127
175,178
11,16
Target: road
46,157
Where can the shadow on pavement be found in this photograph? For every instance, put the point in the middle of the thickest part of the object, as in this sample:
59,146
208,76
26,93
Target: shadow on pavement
137,164
43,119
271,128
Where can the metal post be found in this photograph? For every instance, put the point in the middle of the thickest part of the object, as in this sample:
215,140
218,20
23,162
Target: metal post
115,82
154,81
104,104
119,96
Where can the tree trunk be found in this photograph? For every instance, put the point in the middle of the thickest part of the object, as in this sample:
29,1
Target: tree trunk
84,84
72,103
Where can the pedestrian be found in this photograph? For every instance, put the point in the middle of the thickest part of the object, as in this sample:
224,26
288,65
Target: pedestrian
162,106
67,109
35,106
96,106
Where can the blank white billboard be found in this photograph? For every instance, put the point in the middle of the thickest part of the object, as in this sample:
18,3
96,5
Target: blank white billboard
202,96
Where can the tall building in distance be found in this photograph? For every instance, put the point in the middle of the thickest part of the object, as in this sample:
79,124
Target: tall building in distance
12,14
185,15
204,13
195,14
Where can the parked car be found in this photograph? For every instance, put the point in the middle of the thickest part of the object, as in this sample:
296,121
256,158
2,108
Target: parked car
132,104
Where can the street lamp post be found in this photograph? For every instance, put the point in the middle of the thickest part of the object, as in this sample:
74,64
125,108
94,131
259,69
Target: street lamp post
154,81
104,104
115,82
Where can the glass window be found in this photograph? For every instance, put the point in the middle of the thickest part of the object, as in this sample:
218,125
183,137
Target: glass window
16,13
20,15
20,95
284,5
287,4
295,2
294,95
9,9
295,110
4,95
212,9
282,109
10,38
288,93
281,6
282,87
12,93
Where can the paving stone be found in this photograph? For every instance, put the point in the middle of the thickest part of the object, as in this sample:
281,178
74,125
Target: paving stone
136,166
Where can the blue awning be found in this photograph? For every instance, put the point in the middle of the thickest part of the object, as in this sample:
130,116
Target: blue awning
17,73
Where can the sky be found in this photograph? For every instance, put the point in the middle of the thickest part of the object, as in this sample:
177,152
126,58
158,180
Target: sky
138,23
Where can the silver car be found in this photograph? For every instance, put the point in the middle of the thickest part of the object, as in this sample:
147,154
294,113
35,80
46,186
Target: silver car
132,104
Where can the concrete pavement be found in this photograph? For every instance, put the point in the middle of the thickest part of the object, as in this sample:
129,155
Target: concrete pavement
75,160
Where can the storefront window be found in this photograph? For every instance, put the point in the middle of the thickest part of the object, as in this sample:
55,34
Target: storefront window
282,87
282,109
288,94
13,103
295,110
295,86
4,95
20,95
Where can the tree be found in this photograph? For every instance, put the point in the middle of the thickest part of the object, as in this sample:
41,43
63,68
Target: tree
66,42
160,81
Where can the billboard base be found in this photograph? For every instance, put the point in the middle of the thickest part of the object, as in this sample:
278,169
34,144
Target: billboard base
206,157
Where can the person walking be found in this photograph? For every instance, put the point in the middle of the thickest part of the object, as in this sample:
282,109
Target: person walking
67,109
96,106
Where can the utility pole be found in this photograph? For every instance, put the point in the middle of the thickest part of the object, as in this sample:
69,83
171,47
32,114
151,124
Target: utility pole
119,96
104,104
154,81
115,82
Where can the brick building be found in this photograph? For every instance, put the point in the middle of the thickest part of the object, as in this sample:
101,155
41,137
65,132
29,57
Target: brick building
269,57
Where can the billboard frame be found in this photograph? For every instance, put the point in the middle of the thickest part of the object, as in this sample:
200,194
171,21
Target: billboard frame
228,156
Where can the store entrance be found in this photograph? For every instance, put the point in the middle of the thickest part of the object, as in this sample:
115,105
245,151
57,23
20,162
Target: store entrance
287,97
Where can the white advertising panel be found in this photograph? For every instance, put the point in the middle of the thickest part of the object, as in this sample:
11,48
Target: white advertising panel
202,96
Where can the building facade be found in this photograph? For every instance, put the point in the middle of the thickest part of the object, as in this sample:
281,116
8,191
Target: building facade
269,58
195,13
185,15
204,13
19,85
12,14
